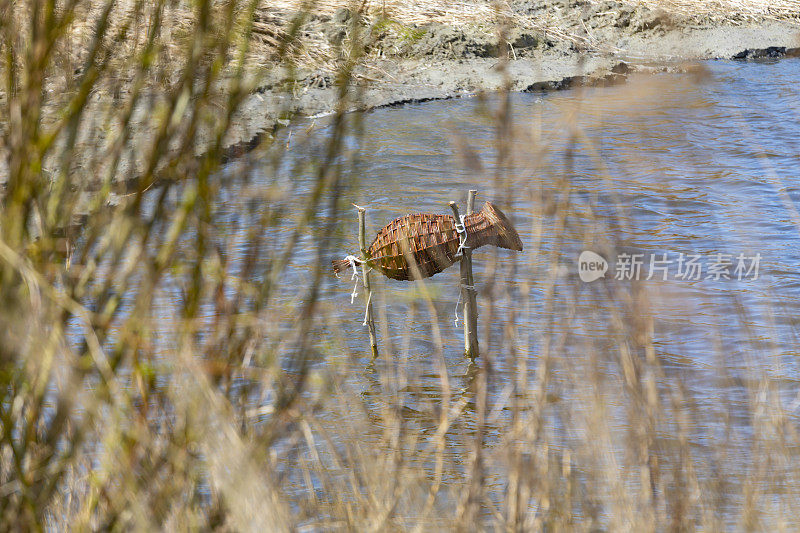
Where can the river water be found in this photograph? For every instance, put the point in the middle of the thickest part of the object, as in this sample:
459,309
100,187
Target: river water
659,171
665,168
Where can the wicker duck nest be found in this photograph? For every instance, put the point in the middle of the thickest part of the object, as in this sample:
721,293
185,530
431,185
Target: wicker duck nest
424,244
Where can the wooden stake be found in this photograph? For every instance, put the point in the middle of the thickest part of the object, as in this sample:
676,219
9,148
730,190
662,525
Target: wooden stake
471,304
362,241
468,288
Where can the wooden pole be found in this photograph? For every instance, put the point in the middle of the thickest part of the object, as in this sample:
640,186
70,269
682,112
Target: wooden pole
468,288
471,304
370,317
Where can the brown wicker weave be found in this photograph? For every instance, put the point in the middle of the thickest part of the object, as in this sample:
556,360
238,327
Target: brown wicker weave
430,243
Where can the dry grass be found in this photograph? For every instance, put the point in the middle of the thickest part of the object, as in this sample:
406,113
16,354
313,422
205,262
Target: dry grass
161,367
279,26
472,12
419,12
737,11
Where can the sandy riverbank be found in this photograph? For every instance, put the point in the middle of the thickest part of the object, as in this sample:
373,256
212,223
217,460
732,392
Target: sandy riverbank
591,42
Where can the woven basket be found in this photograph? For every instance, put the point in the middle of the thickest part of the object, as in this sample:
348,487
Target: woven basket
423,244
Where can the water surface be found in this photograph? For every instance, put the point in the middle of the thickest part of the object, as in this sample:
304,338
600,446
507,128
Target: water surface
667,166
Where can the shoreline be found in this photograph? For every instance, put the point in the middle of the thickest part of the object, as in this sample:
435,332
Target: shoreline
597,42
419,80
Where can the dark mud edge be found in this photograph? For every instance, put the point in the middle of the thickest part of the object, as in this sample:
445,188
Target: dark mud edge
614,76
772,52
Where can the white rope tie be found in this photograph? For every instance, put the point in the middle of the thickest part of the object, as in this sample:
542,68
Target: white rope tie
462,235
354,262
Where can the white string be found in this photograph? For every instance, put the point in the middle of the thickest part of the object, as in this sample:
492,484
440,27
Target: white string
353,260
462,241
462,235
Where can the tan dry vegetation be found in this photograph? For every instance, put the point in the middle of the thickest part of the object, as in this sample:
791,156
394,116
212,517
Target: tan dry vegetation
419,12
730,11
160,370
471,12
272,21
